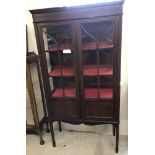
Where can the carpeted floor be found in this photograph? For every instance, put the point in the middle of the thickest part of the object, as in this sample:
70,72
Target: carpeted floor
76,143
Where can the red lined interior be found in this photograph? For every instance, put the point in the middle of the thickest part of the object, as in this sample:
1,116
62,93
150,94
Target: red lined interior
89,93
94,71
85,46
89,46
62,47
93,93
65,72
86,71
68,92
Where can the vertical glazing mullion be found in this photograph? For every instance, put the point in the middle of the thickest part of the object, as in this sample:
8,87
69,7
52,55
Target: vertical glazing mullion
98,78
61,73
73,40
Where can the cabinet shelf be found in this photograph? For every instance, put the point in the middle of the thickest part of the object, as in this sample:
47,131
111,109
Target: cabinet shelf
85,46
68,92
89,93
103,93
93,46
56,49
90,71
65,72
93,71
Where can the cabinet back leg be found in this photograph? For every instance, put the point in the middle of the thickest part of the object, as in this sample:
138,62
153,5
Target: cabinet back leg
117,138
52,134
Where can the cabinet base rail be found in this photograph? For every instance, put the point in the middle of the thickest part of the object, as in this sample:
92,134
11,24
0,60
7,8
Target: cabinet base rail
115,129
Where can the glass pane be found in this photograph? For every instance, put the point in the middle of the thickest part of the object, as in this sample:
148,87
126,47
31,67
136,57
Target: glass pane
60,60
97,59
97,32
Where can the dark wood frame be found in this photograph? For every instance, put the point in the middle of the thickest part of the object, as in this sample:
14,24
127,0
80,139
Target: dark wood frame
43,17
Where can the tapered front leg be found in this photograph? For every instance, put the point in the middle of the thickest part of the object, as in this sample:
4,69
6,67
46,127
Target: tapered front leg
52,134
117,138
47,126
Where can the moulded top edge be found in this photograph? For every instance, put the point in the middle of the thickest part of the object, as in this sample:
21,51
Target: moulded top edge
58,9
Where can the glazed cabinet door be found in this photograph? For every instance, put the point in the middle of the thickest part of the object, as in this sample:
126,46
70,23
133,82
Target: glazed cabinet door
97,48
60,68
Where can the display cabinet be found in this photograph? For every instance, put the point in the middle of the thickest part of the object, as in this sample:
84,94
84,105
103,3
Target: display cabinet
79,50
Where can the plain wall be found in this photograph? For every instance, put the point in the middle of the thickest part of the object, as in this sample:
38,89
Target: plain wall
37,4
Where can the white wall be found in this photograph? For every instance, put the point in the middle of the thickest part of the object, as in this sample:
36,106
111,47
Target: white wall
36,4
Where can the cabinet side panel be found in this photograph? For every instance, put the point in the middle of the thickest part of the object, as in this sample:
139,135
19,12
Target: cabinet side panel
43,67
117,66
